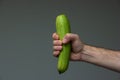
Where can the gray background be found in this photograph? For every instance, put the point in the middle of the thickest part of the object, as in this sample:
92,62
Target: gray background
26,27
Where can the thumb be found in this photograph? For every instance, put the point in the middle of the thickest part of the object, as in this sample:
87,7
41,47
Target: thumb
70,37
75,41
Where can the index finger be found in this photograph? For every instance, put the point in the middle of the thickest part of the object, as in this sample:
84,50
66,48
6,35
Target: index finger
55,36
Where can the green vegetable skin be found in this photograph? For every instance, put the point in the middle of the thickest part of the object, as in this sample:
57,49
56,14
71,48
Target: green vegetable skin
63,27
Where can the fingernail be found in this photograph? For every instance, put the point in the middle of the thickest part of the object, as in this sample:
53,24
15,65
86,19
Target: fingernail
64,40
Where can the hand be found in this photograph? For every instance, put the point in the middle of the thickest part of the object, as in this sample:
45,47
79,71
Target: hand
76,43
106,58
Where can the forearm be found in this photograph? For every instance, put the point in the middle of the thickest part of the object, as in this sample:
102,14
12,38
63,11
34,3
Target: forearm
102,57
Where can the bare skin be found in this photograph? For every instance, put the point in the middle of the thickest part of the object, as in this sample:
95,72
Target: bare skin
106,58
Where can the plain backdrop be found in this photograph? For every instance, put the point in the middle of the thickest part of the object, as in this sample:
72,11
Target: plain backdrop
26,27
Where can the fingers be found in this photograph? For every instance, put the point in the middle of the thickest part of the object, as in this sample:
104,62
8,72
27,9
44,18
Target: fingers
57,42
57,45
56,53
57,48
68,37
55,36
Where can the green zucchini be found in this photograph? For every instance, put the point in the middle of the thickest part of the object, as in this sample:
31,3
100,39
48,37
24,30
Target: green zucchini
62,28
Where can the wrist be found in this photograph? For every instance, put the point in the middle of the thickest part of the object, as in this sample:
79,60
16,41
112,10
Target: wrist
89,54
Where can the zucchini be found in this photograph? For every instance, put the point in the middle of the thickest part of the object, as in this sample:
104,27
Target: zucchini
62,28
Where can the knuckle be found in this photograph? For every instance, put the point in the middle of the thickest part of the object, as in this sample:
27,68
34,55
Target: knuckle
54,47
54,42
57,48
77,36
53,35
68,34
55,53
57,42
